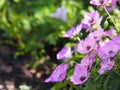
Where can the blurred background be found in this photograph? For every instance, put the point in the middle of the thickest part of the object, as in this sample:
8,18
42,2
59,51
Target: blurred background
30,38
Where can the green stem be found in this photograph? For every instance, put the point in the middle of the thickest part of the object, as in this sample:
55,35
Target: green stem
113,21
105,84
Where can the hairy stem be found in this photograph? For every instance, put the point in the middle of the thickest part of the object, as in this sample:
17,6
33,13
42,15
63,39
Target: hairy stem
113,21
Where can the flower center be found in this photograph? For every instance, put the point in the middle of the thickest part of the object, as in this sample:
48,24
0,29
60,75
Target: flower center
82,78
101,1
110,52
88,47
88,68
95,37
91,20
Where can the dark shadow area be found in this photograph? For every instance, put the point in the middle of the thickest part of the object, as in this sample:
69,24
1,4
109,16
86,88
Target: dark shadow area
14,72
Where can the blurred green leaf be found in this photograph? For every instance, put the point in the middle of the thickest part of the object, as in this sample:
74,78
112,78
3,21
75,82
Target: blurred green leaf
2,3
25,87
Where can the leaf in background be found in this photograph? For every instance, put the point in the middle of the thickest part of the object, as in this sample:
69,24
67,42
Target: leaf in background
58,86
2,3
113,82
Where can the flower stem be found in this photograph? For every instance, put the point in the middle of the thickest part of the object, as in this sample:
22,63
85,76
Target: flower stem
113,21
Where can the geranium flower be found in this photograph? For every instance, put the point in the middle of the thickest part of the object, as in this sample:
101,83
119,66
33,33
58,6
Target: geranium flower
106,64
96,35
58,74
88,61
91,19
60,14
98,2
111,32
73,31
110,49
85,46
81,74
109,4
116,39
65,53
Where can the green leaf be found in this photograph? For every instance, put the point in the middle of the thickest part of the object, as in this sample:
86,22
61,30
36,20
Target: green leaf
58,86
25,87
2,3
113,82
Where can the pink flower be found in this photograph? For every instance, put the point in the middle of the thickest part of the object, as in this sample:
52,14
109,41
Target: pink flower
65,53
109,4
85,46
73,31
88,61
96,35
91,19
58,74
111,32
112,4
98,2
81,74
110,49
106,64
116,39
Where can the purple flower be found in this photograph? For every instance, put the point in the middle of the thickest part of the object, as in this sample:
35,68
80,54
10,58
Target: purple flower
81,74
73,31
60,14
58,74
65,53
88,61
110,49
111,32
96,35
106,64
111,5
85,46
98,2
116,39
91,19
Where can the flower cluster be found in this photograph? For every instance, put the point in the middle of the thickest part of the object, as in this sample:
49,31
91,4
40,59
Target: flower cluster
99,43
